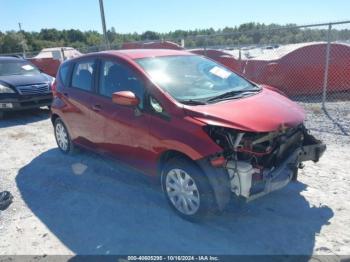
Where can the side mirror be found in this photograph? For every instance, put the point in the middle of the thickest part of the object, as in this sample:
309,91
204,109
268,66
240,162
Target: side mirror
125,98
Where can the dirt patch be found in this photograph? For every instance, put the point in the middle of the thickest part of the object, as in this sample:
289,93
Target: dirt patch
17,136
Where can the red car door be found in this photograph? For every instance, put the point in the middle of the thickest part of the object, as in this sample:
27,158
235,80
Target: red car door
78,96
125,132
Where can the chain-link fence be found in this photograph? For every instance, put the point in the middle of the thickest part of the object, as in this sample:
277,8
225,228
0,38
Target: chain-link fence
310,64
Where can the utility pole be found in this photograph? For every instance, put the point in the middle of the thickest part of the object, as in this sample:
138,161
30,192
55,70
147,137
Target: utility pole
104,23
22,40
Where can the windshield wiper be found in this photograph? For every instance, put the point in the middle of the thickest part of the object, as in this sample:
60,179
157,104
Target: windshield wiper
231,94
192,102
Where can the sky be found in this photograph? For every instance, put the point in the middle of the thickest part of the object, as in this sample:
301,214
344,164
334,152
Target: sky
165,15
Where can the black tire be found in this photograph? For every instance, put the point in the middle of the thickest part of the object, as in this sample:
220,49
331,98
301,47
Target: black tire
207,204
70,149
1,115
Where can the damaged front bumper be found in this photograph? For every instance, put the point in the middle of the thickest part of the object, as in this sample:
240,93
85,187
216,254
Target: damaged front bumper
242,177
312,152
252,165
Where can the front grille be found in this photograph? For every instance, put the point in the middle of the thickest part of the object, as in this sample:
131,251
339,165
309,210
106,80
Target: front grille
37,89
38,102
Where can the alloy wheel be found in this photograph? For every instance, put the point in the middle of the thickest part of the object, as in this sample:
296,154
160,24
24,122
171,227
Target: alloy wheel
61,136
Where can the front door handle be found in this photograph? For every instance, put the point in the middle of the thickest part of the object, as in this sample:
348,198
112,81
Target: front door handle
96,108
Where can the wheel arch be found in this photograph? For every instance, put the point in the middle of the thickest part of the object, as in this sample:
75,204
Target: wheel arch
54,116
166,156
217,177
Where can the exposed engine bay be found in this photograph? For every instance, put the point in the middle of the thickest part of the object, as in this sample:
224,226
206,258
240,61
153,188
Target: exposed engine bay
258,163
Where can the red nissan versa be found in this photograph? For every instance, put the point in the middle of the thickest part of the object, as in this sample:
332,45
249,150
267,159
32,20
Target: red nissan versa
205,132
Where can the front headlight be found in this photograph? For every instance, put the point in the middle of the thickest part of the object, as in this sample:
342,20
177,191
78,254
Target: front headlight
5,90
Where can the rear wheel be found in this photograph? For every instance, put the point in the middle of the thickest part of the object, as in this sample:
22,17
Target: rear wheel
187,189
62,136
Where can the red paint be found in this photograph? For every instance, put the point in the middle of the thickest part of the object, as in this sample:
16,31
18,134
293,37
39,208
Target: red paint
47,65
263,112
125,98
132,54
141,138
301,72
151,45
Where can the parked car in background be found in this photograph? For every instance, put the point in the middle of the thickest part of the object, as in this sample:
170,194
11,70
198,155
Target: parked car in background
294,69
22,85
49,59
221,56
298,69
205,132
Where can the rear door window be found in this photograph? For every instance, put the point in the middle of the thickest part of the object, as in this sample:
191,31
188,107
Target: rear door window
83,75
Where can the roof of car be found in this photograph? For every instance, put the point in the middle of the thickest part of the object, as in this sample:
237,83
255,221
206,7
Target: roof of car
143,53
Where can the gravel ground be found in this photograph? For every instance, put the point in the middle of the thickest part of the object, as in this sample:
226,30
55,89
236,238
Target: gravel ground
84,204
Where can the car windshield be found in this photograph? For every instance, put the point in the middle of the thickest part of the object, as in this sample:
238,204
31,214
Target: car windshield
17,68
193,78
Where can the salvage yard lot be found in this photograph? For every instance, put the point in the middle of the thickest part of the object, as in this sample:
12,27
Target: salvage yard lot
85,204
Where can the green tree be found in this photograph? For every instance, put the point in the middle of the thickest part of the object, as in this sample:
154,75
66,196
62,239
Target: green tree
150,35
245,34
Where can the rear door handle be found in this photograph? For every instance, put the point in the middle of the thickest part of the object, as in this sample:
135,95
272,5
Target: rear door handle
96,108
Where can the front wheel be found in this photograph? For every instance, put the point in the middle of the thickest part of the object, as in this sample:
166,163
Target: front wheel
62,137
187,189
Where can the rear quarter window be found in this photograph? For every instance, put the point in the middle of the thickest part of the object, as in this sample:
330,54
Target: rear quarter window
64,74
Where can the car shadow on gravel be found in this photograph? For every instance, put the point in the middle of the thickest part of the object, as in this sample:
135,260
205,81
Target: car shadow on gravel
25,117
96,206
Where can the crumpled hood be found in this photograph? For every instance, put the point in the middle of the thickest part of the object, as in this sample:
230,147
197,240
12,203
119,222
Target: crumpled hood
263,112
